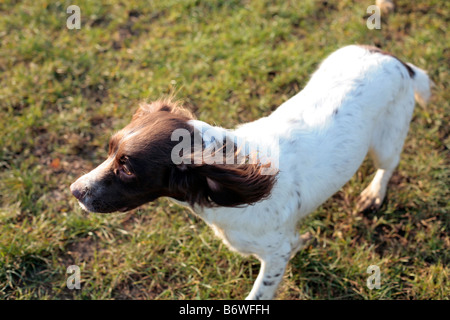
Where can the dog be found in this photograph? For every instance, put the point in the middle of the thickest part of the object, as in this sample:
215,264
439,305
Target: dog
359,101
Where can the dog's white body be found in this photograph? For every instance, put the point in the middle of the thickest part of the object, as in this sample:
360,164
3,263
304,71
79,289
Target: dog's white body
357,102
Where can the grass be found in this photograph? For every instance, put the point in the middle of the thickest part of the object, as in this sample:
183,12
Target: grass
64,92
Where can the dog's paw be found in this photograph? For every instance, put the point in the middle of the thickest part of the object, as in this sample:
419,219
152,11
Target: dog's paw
302,241
369,201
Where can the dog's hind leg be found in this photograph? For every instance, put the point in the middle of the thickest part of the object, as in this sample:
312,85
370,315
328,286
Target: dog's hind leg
386,147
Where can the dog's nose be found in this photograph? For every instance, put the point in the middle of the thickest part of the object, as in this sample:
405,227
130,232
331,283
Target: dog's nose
77,192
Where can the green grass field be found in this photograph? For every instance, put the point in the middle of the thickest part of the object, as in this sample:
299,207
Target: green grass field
64,92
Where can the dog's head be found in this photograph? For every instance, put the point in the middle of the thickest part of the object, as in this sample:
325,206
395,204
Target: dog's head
140,168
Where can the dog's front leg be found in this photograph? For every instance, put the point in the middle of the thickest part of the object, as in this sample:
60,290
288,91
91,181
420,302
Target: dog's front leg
269,277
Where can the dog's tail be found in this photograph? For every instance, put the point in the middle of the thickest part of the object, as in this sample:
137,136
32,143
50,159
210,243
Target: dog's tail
422,85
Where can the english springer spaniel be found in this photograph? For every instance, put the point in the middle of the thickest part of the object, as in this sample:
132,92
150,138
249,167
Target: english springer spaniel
253,184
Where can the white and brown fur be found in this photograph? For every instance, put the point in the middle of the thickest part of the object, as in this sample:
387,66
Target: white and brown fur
360,101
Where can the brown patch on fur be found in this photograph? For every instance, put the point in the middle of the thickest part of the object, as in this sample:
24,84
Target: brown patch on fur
373,49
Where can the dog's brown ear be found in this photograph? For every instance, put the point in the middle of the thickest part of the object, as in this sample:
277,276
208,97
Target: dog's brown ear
220,173
222,185
163,105
236,185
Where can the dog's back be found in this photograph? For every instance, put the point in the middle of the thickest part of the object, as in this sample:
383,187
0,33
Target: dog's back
360,100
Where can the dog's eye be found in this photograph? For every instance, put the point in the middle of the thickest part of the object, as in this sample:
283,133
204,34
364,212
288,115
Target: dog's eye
124,166
123,160
126,170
